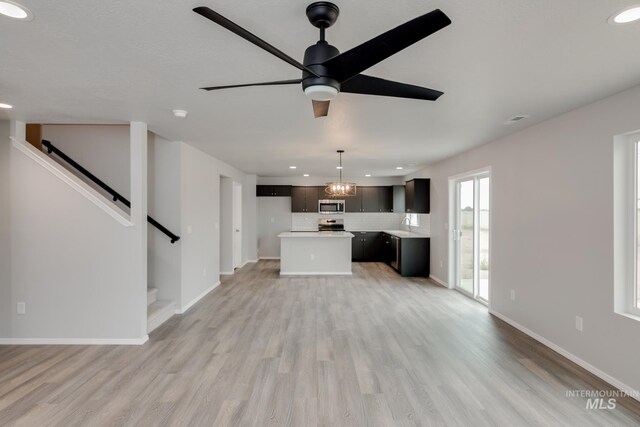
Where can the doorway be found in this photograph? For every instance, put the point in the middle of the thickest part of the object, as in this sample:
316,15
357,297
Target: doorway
237,225
470,219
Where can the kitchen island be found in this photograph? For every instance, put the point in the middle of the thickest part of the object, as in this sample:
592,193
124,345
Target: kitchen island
315,252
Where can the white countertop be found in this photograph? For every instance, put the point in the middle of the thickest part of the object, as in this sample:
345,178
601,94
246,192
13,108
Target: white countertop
319,234
406,234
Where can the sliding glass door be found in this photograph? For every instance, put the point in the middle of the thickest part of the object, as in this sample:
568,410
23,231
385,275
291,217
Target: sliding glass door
471,235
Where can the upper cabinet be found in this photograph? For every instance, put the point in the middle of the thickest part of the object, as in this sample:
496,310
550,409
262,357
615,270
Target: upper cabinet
370,199
273,190
305,199
417,196
367,199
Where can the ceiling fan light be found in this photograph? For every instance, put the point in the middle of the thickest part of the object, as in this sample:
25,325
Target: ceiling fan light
321,92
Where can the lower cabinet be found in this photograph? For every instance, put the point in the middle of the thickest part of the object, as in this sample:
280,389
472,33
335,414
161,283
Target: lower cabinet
366,246
408,256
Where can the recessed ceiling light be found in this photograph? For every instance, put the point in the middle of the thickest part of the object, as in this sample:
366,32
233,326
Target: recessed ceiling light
399,167
306,174
625,16
292,167
180,113
338,167
14,10
368,175
6,106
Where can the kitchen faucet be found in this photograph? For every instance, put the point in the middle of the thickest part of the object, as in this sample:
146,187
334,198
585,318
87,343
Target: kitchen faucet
407,223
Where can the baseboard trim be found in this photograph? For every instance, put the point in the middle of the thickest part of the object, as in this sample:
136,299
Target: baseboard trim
74,341
226,273
575,359
307,273
269,257
439,281
198,298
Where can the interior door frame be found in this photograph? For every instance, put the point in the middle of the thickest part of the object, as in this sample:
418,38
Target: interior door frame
453,194
237,224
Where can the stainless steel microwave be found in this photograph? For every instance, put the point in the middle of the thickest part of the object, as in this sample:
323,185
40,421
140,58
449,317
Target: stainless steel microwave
331,206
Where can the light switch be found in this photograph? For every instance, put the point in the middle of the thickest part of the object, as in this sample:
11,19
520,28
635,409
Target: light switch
21,308
189,229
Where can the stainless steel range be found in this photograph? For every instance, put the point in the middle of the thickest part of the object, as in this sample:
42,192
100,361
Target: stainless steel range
330,224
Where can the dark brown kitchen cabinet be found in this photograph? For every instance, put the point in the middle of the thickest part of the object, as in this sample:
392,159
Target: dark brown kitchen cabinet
273,190
304,199
366,246
354,203
385,199
370,199
408,256
417,196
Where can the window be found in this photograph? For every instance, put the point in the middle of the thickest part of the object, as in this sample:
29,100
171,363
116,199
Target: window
626,224
413,220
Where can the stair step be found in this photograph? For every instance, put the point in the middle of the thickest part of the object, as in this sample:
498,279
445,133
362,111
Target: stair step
152,295
158,313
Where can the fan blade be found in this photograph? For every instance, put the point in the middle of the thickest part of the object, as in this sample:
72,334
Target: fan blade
235,28
277,82
320,108
366,55
368,85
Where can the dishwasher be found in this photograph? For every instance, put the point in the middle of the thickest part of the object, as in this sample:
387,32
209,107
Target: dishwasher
395,252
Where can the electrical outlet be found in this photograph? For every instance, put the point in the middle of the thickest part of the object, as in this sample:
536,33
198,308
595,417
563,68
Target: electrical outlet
579,323
273,220
204,272
312,256
441,264
189,229
513,294
21,308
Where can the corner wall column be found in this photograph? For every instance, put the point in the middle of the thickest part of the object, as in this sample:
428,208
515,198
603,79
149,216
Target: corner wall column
138,145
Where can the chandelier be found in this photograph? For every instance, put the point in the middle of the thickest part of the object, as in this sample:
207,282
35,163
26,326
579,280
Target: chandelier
340,189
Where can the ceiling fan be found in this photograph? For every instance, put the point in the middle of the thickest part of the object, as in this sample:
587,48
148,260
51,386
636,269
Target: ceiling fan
326,71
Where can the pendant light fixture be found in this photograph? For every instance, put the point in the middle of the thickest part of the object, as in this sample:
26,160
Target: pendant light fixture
340,189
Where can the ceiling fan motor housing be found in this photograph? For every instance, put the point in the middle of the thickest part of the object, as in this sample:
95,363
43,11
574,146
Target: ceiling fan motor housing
314,56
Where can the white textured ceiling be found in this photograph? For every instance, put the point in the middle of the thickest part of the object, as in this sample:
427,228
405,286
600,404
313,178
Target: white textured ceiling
96,61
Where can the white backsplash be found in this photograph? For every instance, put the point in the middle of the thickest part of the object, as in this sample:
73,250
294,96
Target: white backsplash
424,227
361,222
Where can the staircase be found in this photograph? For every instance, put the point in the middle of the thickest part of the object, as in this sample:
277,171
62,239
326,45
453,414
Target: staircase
158,311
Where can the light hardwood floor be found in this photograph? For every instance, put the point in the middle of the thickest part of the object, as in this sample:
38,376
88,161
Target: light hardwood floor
373,349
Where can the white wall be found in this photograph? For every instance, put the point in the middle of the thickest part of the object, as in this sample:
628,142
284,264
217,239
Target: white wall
201,209
72,263
5,225
102,150
274,217
164,258
552,230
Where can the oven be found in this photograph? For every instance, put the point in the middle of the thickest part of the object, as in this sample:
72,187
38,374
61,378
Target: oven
330,224
331,206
